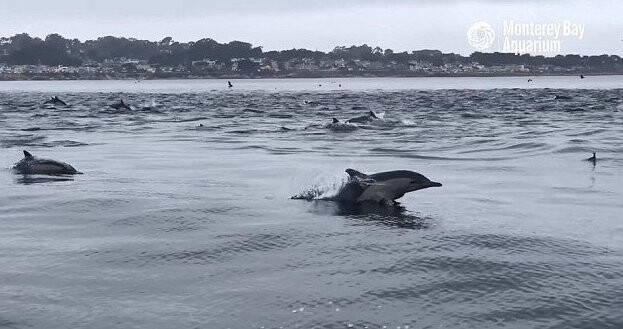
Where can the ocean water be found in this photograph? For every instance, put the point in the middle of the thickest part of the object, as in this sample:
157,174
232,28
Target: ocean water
176,225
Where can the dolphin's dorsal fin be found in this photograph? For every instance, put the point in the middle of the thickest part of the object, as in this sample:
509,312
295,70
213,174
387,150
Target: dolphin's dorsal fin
27,154
372,114
361,178
356,174
336,120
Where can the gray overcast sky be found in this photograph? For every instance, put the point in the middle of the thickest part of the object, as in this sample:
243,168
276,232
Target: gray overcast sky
315,24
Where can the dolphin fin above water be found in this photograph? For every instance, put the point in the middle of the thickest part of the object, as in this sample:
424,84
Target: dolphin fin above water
55,101
31,165
360,177
356,174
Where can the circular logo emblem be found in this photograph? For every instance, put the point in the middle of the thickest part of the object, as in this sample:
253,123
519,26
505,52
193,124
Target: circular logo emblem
480,35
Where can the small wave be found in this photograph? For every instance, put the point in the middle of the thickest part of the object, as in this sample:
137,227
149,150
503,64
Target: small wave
519,147
243,131
66,143
589,132
191,119
408,123
280,115
25,140
253,111
42,179
471,115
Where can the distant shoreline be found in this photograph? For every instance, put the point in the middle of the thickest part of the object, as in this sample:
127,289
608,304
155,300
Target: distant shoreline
298,75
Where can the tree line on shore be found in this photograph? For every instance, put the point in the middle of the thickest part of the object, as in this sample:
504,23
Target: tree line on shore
22,49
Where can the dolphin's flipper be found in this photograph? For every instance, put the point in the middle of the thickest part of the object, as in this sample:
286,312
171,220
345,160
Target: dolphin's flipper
27,154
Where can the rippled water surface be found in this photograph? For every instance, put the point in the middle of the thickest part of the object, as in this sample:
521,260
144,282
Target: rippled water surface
177,225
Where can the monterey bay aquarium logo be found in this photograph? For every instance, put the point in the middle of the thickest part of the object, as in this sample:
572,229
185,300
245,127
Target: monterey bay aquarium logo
522,38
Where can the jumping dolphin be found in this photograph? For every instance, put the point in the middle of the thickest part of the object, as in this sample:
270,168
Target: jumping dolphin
364,118
382,187
31,165
229,85
55,101
121,105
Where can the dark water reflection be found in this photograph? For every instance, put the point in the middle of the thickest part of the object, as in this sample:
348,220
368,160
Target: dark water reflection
39,179
372,214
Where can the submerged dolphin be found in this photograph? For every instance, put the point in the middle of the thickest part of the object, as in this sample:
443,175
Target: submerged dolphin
31,165
338,126
381,187
364,118
121,105
55,101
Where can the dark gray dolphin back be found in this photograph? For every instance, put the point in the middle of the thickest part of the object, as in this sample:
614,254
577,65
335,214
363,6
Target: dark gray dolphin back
31,165
387,175
383,176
